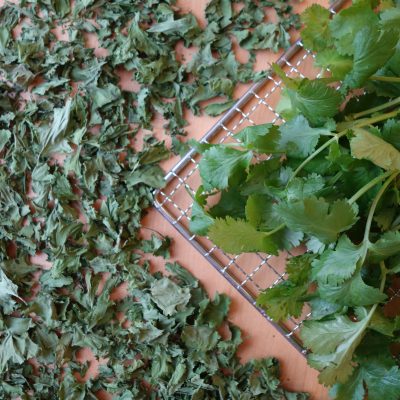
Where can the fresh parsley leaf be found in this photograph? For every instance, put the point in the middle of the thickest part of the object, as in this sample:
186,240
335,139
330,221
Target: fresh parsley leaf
283,300
372,49
301,188
239,236
366,145
333,344
346,24
316,33
317,217
351,292
221,165
386,246
340,65
231,202
200,220
298,139
315,100
335,266
380,377
287,297
260,138
260,212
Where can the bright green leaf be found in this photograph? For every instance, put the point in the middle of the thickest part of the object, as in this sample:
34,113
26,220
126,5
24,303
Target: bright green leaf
335,266
221,165
239,236
317,217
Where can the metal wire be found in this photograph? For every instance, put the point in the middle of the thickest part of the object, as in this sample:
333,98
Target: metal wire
248,273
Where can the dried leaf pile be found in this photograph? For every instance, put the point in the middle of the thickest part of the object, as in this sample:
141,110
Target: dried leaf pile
66,129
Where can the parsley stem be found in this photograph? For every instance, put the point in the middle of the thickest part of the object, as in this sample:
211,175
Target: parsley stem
356,338
365,242
381,287
277,229
347,127
368,186
316,152
392,79
378,118
384,273
375,203
154,231
377,108
359,123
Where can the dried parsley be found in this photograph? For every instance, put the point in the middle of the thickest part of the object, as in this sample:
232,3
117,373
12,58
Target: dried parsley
72,187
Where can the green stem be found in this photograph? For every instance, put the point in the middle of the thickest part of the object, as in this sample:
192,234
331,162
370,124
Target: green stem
154,231
393,79
375,204
381,287
346,126
384,272
316,152
357,337
366,121
378,118
377,108
277,229
371,213
368,186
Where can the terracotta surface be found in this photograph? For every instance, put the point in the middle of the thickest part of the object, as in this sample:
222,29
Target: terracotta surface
261,338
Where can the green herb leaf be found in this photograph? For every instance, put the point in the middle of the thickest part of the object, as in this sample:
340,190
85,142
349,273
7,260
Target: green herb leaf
260,138
335,266
316,33
315,100
346,24
382,380
333,344
298,139
372,49
352,292
238,236
317,217
222,165
388,245
287,298
365,145
169,296
200,220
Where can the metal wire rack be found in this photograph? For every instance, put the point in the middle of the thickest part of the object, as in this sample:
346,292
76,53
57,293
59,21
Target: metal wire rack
248,273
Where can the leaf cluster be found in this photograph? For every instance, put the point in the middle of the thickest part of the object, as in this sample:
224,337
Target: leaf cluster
328,178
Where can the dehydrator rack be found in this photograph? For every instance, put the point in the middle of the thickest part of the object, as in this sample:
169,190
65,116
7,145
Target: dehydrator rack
248,273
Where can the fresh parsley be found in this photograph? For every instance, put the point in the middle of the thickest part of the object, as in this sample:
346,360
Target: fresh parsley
331,182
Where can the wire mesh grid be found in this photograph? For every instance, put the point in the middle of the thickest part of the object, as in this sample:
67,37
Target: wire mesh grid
248,273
